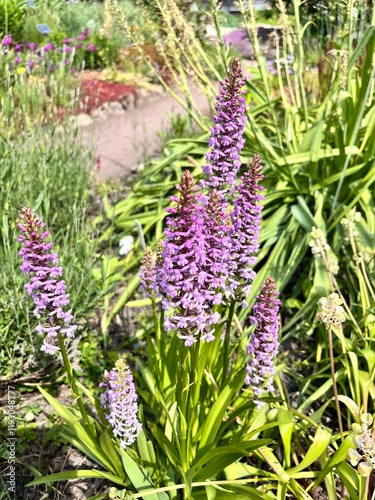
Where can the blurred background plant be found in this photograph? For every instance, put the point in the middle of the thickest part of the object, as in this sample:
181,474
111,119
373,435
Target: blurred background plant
12,16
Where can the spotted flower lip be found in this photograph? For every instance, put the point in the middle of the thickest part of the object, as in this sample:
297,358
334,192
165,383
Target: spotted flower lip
226,141
45,285
120,401
264,343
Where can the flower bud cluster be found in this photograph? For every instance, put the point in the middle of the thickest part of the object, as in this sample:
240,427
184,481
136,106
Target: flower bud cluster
363,455
332,312
318,242
348,223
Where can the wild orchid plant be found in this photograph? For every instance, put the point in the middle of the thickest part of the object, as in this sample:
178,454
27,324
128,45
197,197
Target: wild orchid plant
204,384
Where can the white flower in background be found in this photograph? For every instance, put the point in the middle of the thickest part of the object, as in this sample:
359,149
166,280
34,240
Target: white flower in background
318,241
126,244
331,310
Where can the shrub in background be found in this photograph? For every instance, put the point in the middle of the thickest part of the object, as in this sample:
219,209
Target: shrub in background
12,17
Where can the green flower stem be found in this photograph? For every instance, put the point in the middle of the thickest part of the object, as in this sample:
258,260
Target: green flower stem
183,395
334,385
227,341
73,386
219,34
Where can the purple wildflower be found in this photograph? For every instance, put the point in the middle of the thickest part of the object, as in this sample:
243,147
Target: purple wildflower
226,142
246,219
7,41
68,49
271,68
91,48
148,273
184,278
79,45
31,46
18,60
30,64
84,34
194,265
48,47
218,246
45,286
52,68
120,399
18,47
264,343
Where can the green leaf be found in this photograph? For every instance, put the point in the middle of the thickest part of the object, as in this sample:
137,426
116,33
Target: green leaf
77,474
78,434
110,450
338,457
215,461
139,476
141,302
215,417
303,215
349,477
320,443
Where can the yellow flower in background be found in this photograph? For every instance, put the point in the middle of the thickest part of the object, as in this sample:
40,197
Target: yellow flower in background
21,71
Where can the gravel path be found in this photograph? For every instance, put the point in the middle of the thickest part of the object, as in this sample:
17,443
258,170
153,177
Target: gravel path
122,142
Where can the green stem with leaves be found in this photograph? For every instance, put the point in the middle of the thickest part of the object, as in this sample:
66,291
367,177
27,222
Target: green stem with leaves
73,386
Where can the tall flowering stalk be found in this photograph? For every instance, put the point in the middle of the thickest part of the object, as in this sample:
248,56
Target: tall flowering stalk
226,141
148,273
185,283
48,292
246,219
45,285
264,343
120,400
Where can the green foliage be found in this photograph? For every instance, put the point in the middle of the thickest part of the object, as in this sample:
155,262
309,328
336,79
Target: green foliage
43,15
314,128
47,173
12,16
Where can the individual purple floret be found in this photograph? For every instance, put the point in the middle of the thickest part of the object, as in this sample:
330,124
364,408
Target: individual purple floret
226,142
147,273
246,219
184,283
84,34
7,41
264,343
120,400
45,286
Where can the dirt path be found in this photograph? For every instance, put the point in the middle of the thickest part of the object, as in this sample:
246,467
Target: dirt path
122,142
